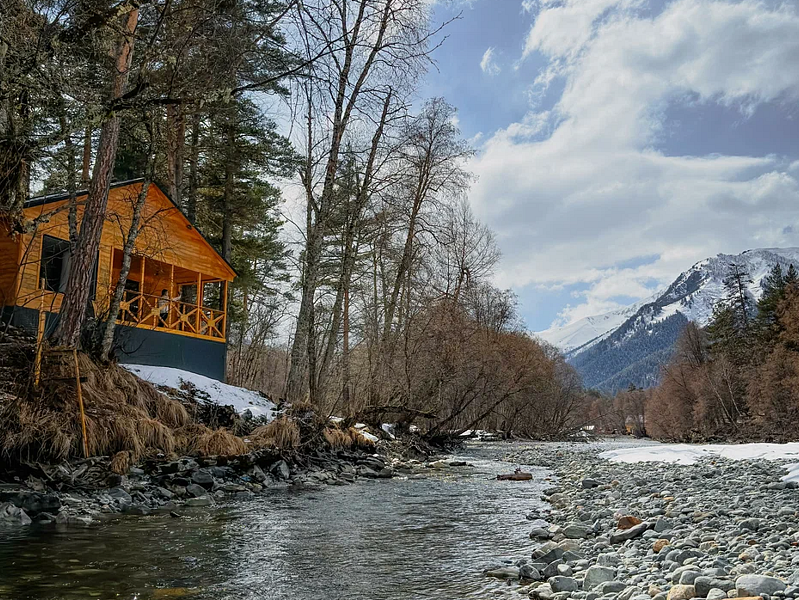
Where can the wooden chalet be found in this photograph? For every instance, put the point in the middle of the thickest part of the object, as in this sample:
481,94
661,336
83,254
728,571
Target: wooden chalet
173,308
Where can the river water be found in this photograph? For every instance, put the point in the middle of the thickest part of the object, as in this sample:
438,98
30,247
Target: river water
398,539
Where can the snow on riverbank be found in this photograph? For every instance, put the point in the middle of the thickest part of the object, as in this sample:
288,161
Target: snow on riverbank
688,454
221,393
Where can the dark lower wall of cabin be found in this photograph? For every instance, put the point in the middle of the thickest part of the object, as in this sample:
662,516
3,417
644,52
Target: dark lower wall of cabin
135,345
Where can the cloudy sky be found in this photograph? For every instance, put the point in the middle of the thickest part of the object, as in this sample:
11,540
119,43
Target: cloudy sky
620,141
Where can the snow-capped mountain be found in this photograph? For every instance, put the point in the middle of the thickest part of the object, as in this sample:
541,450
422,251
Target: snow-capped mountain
639,339
586,332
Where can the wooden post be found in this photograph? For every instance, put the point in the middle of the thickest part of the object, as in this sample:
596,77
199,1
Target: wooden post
199,301
80,404
224,309
141,288
171,295
37,365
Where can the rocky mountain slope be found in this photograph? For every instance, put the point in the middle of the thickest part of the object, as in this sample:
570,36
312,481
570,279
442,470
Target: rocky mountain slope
612,356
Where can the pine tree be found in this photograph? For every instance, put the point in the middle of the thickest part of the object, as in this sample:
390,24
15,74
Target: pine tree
766,322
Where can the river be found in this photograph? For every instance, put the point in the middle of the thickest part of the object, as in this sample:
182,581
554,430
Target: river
400,539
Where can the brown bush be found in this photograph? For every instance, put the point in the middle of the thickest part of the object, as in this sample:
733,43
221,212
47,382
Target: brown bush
220,443
283,433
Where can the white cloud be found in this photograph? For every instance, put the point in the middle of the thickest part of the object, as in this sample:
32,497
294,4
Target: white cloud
577,190
488,63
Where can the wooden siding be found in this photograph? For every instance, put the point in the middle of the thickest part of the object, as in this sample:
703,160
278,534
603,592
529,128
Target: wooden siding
9,259
167,237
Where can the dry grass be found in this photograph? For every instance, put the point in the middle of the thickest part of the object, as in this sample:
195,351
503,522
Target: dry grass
120,463
358,439
282,433
220,443
337,438
186,437
123,414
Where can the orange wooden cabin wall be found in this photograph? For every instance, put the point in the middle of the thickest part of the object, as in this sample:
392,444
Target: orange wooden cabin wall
167,237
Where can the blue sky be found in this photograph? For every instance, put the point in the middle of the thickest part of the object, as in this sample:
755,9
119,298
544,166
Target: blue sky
620,141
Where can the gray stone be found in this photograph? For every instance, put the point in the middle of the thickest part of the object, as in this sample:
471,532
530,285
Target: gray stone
281,469
548,552
203,477
562,584
120,495
596,575
756,585
688,577
589,483
201,501
716,594
622,535
529,572
609,587
577,531
195,491
10,514
33,503
503,572
540,534
609,559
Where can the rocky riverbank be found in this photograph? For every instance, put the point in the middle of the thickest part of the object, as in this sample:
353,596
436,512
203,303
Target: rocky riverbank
655,531
78,493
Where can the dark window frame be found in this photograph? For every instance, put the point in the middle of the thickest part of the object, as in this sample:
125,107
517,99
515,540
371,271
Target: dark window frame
50,242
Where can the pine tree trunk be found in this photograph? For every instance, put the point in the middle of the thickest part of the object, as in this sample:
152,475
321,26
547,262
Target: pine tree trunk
176,141
227,199
194,159
84,259
87,156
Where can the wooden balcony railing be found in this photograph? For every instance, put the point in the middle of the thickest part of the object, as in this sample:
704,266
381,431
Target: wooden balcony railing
155,312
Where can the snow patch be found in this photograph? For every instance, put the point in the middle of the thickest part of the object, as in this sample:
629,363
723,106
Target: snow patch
220,393
686,454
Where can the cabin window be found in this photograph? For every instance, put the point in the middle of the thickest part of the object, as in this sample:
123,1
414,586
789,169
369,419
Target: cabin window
55,264
54,268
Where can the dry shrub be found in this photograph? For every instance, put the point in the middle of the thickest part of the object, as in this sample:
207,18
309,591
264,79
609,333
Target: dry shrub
282,433
187,437
220,443
120,463
337,438
358,439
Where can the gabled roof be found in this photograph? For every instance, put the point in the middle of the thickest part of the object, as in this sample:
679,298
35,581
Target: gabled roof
60,197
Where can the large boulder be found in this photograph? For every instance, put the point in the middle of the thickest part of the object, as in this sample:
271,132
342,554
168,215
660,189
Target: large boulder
596,575
577,531
681,592
548,552
560,583
11,514
33,503
757,585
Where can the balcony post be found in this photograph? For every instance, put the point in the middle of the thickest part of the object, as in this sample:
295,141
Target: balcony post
171,295
141,289
224,309
199,301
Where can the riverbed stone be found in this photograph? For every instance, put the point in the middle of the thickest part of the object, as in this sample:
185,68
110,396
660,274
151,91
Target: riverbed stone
596,575
757,585
681,592
10,514
563,584
577,530
622,535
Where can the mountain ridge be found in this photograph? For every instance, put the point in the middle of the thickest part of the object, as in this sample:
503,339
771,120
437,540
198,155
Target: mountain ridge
632,352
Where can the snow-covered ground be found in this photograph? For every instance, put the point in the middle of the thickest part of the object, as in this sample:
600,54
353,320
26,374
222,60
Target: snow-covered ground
688,454
221,393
